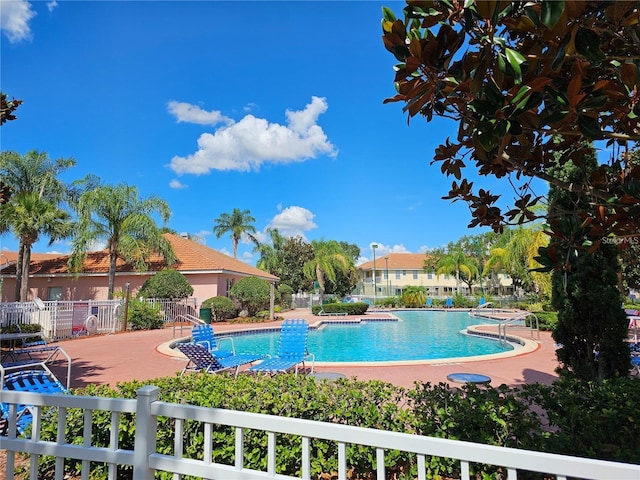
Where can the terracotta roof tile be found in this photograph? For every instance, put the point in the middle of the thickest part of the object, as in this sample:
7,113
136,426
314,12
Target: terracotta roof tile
397,261
192,257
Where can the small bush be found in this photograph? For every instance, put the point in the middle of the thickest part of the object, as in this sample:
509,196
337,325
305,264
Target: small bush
547,320
388,302
253,294
414,297
460,301
144,316
167,283
222,308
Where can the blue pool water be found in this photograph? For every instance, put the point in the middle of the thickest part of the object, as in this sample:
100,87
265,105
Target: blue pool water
419,335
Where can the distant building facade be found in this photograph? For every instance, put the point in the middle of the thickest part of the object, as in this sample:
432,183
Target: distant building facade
396,271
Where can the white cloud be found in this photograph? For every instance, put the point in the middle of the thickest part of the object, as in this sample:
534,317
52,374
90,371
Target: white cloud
51,5
14,19
177,184
252,141
185,112
247,257
293,221
381,251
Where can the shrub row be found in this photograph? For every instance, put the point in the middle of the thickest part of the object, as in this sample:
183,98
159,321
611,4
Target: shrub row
574,418
357,308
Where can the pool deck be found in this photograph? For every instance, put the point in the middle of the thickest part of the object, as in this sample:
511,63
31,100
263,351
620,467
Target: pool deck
143,355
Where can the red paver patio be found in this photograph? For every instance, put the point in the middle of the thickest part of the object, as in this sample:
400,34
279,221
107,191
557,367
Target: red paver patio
138,355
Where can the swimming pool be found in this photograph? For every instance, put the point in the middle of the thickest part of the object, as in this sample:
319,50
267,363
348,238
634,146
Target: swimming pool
418,335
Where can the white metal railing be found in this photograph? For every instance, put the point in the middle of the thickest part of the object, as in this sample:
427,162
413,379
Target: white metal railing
145,459
522,317
64,319
61,320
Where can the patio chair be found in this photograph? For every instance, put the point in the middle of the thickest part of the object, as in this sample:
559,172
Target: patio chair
449,303
204,335
292,350
202,360
34,381
429,302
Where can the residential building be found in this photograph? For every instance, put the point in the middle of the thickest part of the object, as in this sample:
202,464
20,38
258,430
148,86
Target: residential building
395,271
209,272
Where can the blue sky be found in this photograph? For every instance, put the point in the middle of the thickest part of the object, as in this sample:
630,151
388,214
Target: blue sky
274,107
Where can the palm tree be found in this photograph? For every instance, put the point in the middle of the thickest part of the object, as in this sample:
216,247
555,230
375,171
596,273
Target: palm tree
238,223
116,215
28,216
516,257
328,258
270,253
37,195
456,261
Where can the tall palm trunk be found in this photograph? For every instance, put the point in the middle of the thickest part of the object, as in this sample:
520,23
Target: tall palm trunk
19,270
113,261
24,284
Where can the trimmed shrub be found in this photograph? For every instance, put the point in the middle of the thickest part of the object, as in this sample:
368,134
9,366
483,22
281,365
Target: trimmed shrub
167,283
357,308
252,293
222,308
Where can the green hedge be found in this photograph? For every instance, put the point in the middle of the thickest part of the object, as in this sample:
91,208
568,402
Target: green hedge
569,417
357,308
17,328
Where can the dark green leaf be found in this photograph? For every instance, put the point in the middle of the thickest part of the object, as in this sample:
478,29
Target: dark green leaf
551,12
589,127
515,59
588,45
388,14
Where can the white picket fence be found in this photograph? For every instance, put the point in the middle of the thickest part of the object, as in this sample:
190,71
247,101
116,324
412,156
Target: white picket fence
145,460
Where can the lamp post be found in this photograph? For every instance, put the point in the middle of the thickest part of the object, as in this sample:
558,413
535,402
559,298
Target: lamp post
386,263
375,286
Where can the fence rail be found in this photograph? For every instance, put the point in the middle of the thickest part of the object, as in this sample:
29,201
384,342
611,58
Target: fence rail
61,320
145,460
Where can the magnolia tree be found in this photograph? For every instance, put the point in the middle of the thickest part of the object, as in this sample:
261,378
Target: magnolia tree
514,75
524,81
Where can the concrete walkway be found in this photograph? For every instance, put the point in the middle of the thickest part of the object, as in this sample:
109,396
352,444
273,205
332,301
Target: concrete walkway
143,355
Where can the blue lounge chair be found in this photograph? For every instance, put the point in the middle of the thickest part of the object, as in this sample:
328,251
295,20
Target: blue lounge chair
449,303
34,381
481,301
292,350
202,360
429,302
204,335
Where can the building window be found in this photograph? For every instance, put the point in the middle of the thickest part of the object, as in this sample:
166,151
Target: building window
397,275
54,293
415,274
386,275
230,282
430,276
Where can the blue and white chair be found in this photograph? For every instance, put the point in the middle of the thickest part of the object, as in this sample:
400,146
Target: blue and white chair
292,352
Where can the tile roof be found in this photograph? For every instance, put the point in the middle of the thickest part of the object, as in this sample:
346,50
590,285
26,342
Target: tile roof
397,261
191,257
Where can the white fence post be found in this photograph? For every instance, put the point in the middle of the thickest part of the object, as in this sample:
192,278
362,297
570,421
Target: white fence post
145,439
